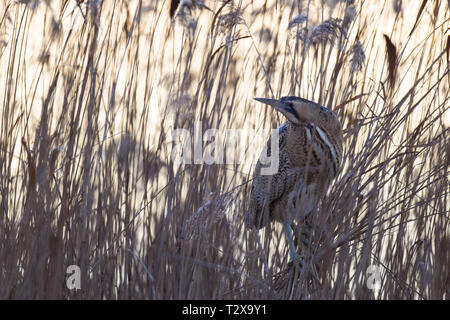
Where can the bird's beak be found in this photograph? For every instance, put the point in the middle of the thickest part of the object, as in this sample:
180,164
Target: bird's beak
271,102
284,108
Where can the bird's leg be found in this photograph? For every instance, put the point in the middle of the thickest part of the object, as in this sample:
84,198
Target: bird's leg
302,236
296,258
302,241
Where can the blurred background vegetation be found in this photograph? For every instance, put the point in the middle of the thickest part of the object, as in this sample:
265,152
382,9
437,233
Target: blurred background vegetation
91,92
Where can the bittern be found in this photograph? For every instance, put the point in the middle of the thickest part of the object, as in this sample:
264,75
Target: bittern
310,154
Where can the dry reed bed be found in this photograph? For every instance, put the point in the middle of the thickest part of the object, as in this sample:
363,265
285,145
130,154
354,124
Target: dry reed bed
91,93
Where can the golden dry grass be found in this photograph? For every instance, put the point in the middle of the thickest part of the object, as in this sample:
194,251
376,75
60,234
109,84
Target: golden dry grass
92,91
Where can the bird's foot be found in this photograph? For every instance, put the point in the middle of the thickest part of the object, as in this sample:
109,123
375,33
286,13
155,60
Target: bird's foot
297,261
302,235
308,269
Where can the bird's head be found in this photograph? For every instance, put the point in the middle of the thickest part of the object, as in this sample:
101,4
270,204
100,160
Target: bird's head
298,110
301,111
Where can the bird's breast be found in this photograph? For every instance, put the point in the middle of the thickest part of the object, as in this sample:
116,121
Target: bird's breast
310,147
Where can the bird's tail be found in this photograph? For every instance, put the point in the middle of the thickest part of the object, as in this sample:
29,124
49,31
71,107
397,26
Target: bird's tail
256,216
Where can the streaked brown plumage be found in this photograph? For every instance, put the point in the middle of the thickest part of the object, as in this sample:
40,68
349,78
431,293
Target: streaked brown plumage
310,154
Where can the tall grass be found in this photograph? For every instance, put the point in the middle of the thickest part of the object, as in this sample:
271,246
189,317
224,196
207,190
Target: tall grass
91,92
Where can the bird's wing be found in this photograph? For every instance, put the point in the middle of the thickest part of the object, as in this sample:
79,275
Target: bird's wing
268,188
